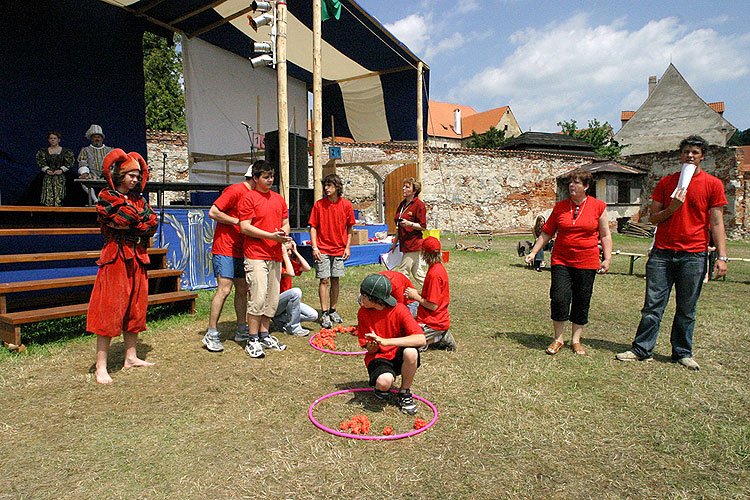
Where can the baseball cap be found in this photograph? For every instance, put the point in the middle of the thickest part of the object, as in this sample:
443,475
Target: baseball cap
431,245
378,286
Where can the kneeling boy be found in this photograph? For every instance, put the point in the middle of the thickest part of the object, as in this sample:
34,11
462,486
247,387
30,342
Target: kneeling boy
391,336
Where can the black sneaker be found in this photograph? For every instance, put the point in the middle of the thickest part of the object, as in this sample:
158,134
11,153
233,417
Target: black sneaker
381,395
406,402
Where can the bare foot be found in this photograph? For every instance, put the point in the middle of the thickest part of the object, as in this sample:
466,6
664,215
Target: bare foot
132,363
102,376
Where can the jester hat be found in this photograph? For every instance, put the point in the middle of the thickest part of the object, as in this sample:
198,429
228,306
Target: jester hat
119,162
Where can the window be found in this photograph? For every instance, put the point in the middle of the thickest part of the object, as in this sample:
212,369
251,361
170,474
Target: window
623,192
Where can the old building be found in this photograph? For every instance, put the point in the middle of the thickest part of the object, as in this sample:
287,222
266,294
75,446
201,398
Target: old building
451,125
671,112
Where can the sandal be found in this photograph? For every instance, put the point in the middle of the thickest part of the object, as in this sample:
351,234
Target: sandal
554,347
577,348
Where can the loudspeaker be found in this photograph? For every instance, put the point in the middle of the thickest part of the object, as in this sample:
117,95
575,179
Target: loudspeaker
300,206
298,156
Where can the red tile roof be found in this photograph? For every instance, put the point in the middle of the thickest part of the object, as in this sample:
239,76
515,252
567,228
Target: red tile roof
717,106
626,115
481,122
440,118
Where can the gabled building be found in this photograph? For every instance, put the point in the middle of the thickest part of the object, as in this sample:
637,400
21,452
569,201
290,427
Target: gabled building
451,125
671,112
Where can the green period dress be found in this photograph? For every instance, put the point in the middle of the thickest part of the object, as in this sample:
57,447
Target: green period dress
53,186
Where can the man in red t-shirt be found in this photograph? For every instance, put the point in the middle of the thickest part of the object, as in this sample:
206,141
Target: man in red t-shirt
683,216
264,220
391,336
432,313
227,260
331,223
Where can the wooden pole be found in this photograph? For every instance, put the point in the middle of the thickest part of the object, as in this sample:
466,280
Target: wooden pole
420,131
281,97
317,122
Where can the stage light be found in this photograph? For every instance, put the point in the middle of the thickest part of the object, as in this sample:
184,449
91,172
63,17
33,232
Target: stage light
261,60
265,17
264,47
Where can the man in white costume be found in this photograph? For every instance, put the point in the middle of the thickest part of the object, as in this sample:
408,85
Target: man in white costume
91,157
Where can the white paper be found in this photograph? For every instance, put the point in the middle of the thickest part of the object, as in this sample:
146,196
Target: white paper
688,169
391,259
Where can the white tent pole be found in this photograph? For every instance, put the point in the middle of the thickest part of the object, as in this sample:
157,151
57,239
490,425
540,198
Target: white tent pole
281,96
420,134
317,121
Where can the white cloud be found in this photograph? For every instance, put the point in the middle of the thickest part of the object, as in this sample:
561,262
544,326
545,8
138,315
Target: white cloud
412,31
567,69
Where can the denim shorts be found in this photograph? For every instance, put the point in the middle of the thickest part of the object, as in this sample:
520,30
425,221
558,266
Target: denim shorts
228,267
329,267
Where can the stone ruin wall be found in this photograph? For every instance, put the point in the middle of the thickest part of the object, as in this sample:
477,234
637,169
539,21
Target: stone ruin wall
469,191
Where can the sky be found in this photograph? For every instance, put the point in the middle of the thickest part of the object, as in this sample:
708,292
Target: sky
559,60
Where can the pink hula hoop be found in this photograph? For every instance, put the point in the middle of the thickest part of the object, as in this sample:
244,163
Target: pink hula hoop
357,436
345,353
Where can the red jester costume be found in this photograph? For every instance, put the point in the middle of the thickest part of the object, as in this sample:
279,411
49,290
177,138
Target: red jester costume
120,295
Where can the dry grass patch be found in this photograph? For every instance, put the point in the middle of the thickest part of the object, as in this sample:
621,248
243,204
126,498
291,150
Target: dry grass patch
514,422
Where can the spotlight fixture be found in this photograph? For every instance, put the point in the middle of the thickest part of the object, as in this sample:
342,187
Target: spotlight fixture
265,17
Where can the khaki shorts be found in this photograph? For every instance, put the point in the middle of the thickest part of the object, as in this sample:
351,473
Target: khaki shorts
329,266
263,279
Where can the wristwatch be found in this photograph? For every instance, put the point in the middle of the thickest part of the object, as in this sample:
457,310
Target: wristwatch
723,259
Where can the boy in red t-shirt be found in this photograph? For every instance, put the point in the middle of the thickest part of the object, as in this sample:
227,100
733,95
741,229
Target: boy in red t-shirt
331,223
432,313
291,311
228,261
391,336
264,220
399,284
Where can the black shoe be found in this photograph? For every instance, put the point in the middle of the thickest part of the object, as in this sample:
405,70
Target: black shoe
381,395
406,402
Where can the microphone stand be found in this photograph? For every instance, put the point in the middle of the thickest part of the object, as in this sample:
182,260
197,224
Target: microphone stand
249,130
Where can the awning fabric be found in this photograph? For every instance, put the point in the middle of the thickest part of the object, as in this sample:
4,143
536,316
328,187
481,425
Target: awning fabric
380,107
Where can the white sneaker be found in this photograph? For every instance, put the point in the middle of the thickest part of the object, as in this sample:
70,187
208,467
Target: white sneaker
335,317
272,342
689,363
212,342
254,349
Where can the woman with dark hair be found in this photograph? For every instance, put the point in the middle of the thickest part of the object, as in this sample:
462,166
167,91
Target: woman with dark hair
54,160
411,220
580,222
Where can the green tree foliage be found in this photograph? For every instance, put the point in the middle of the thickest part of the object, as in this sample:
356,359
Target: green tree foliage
740,138
162,68
492,139
597,134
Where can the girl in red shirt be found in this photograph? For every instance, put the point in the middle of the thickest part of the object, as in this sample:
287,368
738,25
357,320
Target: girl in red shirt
580,223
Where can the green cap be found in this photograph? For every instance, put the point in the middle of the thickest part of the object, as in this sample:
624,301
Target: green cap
378,286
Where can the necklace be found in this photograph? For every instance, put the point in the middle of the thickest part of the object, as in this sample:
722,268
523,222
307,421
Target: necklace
578,210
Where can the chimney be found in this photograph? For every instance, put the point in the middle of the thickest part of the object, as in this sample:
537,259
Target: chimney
457,121
651,84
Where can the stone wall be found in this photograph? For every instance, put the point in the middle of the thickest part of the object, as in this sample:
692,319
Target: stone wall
175,146
720,162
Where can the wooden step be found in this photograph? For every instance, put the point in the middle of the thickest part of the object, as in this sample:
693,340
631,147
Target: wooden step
31,208
47,231
10,320
27,286
50,256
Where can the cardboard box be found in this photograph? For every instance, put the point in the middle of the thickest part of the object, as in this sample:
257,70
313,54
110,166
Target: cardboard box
359,236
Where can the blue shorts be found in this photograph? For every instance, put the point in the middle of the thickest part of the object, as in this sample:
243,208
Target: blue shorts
228,267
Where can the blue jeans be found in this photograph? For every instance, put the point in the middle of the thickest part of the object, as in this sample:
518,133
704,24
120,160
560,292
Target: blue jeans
684,270
291,311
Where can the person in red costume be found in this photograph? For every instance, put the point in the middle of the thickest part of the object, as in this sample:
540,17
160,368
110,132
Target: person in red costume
120,295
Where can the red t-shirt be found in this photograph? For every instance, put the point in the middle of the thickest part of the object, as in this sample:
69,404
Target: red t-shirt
265,211
687,229
228,239
577,242
410,240
437,291
331,220
399,283
390,323
286,281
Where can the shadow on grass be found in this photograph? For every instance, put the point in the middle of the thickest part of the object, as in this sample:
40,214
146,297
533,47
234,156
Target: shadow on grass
116,355
366,399
537,341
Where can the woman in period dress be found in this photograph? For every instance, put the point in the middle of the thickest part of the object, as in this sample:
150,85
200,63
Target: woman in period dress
54,160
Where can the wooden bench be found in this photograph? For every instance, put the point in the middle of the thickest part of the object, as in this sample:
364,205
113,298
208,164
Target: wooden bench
157,256
633,257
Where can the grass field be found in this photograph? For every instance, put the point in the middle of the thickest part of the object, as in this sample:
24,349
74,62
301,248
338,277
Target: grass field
513,423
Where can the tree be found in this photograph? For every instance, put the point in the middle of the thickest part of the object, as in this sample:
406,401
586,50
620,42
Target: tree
492,139
162,68
598,135
740,138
